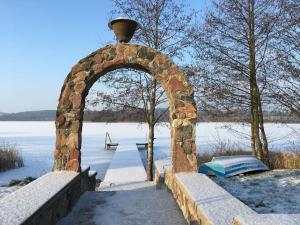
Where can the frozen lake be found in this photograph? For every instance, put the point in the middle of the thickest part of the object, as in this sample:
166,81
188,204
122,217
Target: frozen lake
36,141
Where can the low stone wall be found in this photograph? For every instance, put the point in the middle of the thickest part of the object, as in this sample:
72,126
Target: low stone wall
47,199
203,202
164,176
184,201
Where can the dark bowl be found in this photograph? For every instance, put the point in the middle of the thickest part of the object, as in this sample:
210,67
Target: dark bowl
123,28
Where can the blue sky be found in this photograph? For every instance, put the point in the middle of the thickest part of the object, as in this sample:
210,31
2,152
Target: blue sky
40,40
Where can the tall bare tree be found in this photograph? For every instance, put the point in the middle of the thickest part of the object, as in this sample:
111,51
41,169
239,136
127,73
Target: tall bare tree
234,48
285,87
165,25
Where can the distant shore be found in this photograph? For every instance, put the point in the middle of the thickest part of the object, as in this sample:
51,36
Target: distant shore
124,116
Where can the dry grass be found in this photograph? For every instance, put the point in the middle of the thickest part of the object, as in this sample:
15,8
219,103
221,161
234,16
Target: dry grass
278,160
9,157
285,160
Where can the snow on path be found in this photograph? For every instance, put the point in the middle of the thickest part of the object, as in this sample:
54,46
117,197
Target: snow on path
125,198
131,204
126,167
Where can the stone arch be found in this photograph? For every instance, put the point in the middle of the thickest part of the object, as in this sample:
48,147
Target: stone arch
69,114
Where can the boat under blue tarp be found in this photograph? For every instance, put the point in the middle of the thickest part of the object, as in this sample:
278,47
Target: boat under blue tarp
227,166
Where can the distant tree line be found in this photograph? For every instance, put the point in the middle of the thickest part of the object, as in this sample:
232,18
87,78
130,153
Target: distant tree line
111,116
41,115
133,115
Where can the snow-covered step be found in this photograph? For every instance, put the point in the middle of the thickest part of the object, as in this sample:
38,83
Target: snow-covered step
126,167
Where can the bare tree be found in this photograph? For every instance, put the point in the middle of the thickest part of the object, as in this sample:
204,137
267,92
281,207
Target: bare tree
234,48
165,25
284,88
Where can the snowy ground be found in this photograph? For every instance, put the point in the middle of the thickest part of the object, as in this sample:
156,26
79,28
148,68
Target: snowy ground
36,142
7,190
276,191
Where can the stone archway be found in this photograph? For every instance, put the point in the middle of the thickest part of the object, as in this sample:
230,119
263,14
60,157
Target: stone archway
76,86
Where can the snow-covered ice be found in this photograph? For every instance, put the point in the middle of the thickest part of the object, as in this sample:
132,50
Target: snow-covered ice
36,142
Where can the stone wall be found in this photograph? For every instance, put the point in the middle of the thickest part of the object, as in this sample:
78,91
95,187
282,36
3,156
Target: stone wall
69,113
202,201
163,176
187,205
47,199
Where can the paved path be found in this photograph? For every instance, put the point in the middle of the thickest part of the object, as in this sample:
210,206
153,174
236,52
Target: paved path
126,167
131,204
125,198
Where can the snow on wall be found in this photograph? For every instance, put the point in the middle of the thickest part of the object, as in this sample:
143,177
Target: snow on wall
216,204
21,204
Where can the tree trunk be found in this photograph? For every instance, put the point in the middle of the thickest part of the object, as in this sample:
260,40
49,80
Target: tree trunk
263,133
258,145
254,92
151,124
150,153
151,120
253,149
